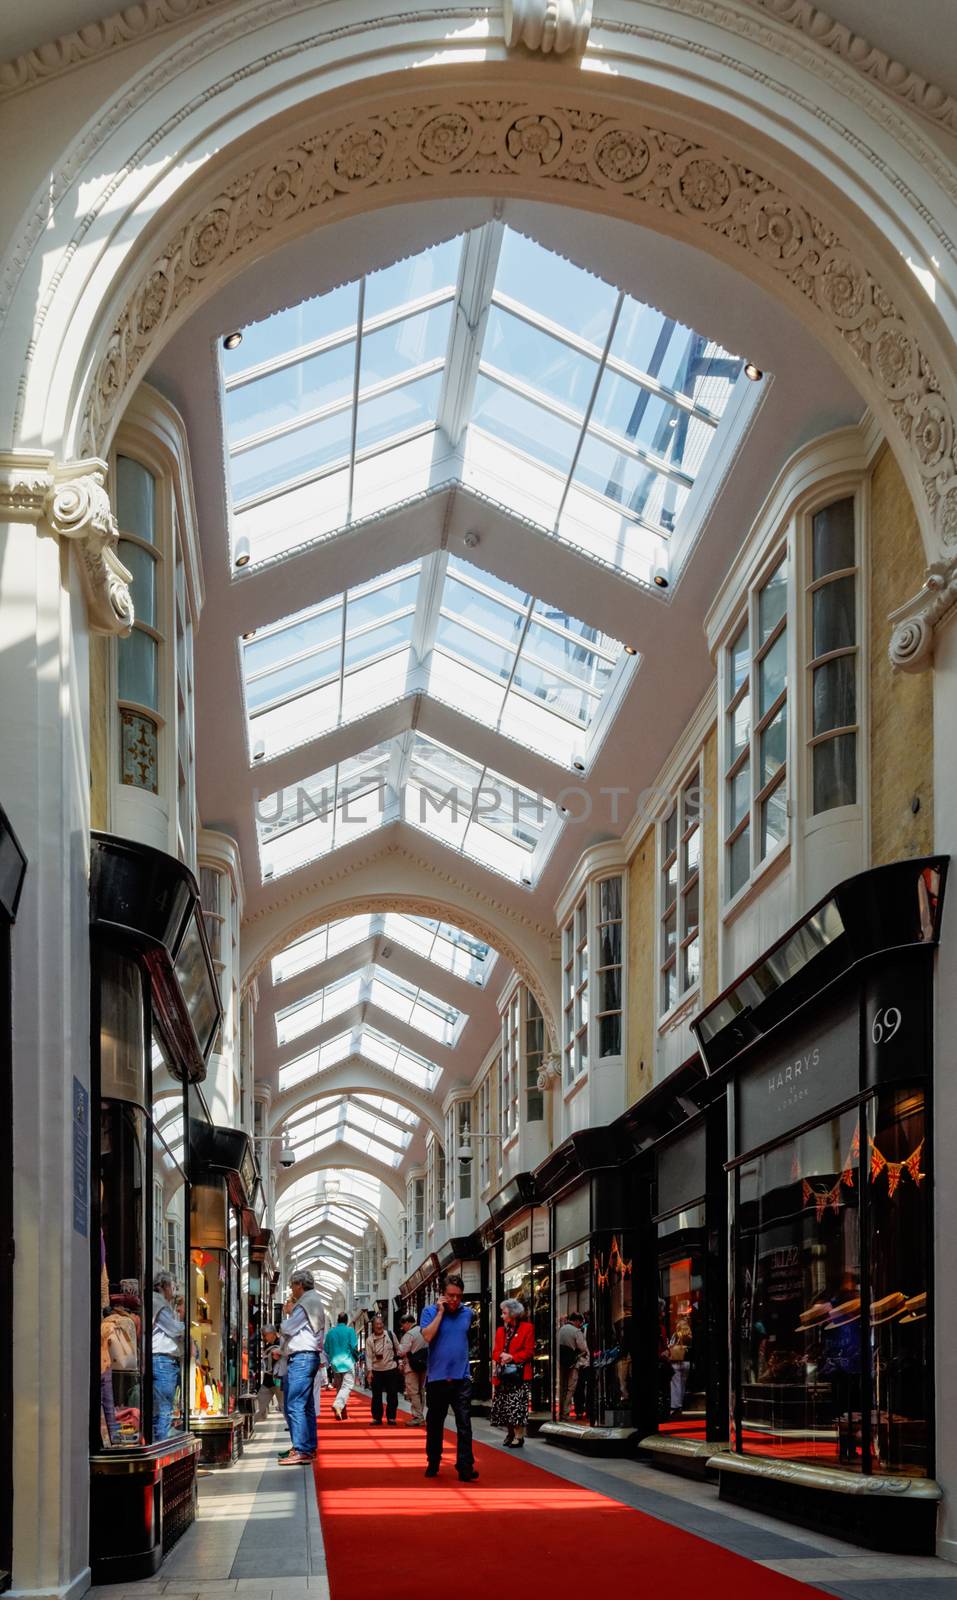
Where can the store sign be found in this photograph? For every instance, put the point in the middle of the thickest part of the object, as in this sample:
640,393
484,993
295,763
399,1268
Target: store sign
800,1077
527,1236
81,1158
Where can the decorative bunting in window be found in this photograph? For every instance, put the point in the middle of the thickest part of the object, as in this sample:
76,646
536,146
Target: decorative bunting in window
617,1265
896,1169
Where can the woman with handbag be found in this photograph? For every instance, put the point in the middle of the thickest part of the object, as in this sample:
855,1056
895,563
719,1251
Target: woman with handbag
512,1373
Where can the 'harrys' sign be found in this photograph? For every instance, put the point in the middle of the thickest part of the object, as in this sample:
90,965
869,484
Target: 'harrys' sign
798,1075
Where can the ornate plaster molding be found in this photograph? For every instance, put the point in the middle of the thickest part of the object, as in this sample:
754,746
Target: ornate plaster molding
912,642
553,27
129,26
550,1072
894,77
71,502
645,173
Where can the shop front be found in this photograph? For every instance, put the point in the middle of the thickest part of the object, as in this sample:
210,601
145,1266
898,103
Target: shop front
826,1047
223,1183
420,1288
13,866
155,1012
593,1245
515,1241
463,1256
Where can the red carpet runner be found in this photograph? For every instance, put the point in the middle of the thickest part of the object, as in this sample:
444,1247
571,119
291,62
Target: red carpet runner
389,1531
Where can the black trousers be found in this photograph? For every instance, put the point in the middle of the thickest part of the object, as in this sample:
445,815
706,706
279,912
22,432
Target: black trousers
440,1394
385,1384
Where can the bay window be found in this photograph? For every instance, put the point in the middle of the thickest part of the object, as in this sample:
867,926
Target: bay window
575,993
139,681
608,928
509,1070
534,1057
833,653
756,712
679,847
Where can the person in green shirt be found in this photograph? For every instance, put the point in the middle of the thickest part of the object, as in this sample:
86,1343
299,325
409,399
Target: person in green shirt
342,1349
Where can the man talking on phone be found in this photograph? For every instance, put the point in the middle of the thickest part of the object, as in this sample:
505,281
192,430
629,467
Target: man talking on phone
445,1329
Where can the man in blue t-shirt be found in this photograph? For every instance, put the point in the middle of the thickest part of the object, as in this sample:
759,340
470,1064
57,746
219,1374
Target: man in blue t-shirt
445,1329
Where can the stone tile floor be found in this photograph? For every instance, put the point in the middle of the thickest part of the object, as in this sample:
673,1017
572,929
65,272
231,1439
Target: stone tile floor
258,1537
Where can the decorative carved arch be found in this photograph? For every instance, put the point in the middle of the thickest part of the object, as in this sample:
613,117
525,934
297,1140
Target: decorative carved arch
420,906
570,145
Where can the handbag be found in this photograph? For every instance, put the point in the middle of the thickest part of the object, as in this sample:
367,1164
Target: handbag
419,1360
508,1373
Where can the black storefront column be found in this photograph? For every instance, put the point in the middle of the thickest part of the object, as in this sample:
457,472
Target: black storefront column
12,872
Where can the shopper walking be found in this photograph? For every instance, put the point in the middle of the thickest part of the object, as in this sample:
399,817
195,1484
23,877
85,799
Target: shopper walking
342,1348
414,1363
445,1329
512,1373
302,1331
382,1371
572,1358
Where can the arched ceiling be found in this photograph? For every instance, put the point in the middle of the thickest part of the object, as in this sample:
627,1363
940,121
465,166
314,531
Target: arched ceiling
366,989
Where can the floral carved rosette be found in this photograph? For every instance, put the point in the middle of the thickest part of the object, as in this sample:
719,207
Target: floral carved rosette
280,189
619,156
361,155
932,432
703,187
446,140
535,143
842,289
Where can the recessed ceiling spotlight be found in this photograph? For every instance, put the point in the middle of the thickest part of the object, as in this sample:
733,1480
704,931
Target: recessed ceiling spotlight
241,552
251,634
660,577
579,766
471,540
259,750
753,372
631,649
233,340
526,878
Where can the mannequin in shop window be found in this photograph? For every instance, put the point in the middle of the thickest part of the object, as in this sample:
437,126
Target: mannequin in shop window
168,1330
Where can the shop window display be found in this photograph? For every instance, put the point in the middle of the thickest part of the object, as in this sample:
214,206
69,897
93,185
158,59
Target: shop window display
208,1293
142,1216
682,1375
593,1280
531,1283
835,1366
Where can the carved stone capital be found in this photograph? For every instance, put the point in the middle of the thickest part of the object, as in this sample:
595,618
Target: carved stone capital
912,642
26,478
553,27
550,1072
77,507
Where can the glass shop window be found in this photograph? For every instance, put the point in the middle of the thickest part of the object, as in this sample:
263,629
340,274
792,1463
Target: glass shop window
800,1297
608,930
124,1164
682,1371
534,1058
208,1303
609,1332
168,1300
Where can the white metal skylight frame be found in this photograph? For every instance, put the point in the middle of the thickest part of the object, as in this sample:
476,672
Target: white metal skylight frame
672,404
443,944
465,804
366,1041
345,1118
372,984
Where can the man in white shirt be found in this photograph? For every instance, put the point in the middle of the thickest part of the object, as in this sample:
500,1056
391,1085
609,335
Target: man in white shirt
302,1334
168,1331
572,1356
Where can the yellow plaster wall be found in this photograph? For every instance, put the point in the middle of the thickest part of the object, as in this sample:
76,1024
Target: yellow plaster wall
641,969
99,731
901,703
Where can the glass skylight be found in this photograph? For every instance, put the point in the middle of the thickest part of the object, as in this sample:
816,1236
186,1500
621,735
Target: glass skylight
331,664
449,947
580,407
372,984
309,1191
472,809
362,1040
346,1118
514,662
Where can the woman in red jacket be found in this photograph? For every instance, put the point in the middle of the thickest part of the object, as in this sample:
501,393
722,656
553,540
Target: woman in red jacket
512,1373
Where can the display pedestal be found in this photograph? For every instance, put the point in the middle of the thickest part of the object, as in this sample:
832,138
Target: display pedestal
883,1513
690,1458
246,1406
220,1439
592,1441
142,1500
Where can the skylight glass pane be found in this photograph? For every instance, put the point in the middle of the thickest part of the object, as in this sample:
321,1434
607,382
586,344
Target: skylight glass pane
300,325
641,491
535,358
400,346
415,1069
647,421
332,808
452,948
306,1066
279,398
416,1006
386,416
555,288
524,425
291,455
426,273
293,1021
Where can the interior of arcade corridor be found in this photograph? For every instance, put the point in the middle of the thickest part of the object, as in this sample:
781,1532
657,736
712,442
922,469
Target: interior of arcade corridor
507,847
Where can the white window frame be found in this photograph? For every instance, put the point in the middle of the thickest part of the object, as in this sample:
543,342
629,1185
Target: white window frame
532,1060
595,970
509,1069
829,494
485,1129
575,995
688,824
160,551
729,699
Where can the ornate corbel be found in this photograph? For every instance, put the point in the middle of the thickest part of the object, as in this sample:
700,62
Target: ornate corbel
26,478
78,508
550,1072
912,642
553,27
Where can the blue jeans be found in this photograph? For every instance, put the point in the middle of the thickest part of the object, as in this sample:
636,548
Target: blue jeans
165,1384
300,1405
